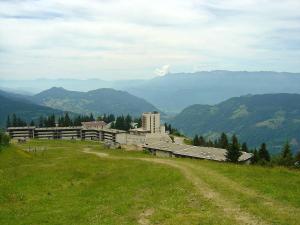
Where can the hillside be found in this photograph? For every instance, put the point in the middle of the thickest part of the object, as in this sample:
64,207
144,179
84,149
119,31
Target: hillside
67,182
11,103
98,101
270,118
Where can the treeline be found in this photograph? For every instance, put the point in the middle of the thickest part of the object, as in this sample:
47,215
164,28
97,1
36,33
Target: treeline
52,120
126,122
15,121
119,122
261,156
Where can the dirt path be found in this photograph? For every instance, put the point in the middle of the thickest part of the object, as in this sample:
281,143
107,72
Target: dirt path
229,208
279,209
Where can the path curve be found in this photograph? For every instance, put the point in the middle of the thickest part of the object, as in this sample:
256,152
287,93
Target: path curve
229,208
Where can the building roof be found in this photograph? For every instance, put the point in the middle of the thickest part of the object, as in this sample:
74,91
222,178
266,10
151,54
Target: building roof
216,154
94,123
20,128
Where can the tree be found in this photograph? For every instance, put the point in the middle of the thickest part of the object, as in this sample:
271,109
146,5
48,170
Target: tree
202,141
286,156
14,120
127,122
41,121
245,147
196,140
67,120
210,143
255,157
8,123
91,117
32,123
233,151
297,159
223,142
120,123
297,156
4,139
139,122
263,154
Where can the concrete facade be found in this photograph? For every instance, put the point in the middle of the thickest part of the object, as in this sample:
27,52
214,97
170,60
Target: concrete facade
70,133
151,122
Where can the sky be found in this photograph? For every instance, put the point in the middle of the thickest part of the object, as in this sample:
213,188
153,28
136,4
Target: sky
138,39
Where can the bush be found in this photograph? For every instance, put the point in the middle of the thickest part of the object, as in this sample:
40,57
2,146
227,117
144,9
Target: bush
4,139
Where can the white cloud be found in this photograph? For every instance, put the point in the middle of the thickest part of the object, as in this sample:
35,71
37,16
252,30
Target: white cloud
121,39
163,70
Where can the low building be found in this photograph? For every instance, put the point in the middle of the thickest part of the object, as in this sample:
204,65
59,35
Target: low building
167,149
71,133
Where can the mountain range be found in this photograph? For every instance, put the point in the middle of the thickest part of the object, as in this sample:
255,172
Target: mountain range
270,118
173,92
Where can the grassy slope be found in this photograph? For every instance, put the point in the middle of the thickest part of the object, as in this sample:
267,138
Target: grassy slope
63,185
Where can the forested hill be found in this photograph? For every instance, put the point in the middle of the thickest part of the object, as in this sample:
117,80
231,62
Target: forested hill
270,118
98,101
27,110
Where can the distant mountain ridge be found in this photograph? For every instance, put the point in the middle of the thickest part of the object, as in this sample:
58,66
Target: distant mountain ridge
270,118
100,101
173,92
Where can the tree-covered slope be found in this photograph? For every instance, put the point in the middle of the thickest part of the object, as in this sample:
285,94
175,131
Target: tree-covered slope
270,118
23,108
98,101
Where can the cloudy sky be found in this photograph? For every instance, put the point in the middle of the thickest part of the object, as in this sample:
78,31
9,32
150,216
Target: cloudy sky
129,39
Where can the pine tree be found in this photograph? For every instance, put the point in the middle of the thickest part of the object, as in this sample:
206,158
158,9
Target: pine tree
263,154
255,157
196,140
14,120
41,121
245,147
32,123
67,120
297,158
286,157
202,141
233,152
8,123
210,143
127,122
91,117
223,143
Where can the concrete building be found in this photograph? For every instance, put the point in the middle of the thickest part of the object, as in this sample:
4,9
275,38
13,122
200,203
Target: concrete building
150,124
71,133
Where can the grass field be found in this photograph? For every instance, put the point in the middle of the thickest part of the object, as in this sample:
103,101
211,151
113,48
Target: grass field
66,182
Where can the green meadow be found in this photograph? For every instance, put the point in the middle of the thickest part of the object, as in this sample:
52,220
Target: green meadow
81,182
